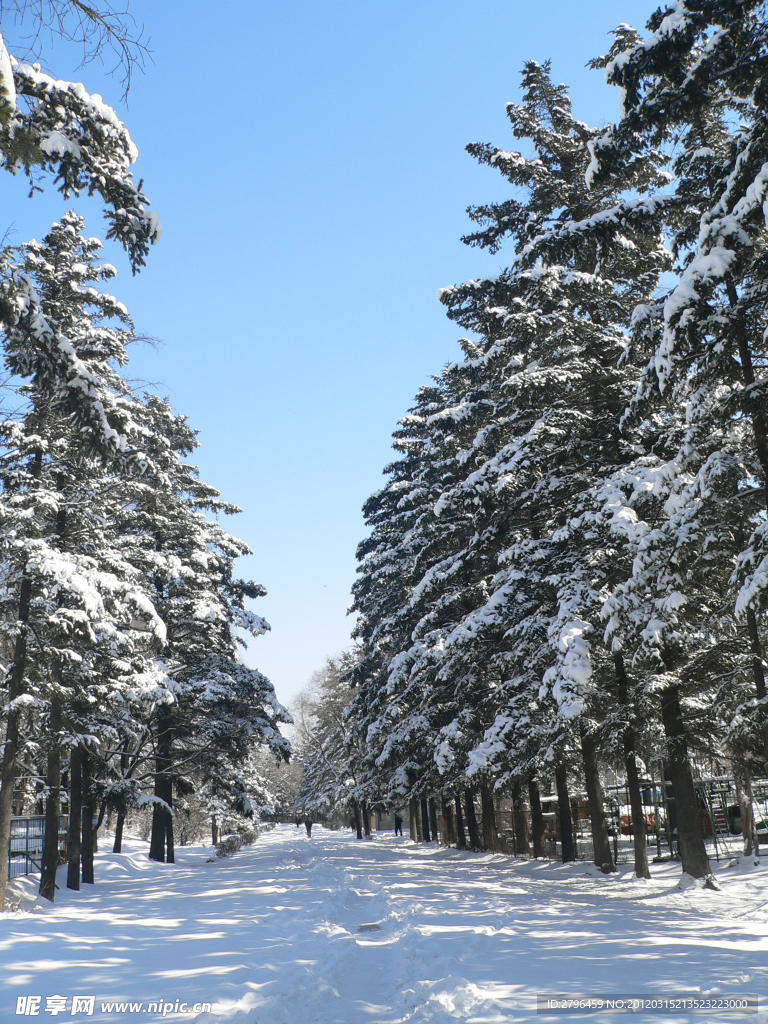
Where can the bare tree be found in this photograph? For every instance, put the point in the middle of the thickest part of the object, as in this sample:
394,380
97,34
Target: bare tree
99,28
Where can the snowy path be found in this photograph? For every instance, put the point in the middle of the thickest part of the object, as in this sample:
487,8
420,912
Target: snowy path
273,936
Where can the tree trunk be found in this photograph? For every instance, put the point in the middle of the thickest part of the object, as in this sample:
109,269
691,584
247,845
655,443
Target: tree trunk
567,840
639,832
118,844
489,817
75,817
522,837
412,828
689,838
9,768
601,843
157,835
358,819
745,810
433,819
758,671
161,835
170,855
474,834
97,826
760,433
538,826
461,839
448,822
50,858
752,821
214,830
86,848
425,820
366,820
496,821
417,819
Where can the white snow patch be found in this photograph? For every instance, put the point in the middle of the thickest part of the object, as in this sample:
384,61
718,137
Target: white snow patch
272,934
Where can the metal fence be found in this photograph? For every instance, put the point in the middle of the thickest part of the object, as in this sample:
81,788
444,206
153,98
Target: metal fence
25,849
719,817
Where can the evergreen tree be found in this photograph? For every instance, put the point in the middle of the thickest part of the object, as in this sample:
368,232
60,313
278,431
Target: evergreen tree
74,610
57,128
556,322
693,87
120,600
323,751
213,709
684,84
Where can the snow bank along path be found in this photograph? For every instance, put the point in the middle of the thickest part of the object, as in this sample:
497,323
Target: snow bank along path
278,934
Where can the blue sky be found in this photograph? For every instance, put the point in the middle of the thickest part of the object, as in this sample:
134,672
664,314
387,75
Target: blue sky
307,161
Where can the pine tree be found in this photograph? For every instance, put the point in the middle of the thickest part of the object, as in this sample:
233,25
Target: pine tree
693,86
393,562
323,744
492,591
66,593
584,258
699,67
214,709
119,594
57,128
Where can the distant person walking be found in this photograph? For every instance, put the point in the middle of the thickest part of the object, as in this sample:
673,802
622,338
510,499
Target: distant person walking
308,827
398,825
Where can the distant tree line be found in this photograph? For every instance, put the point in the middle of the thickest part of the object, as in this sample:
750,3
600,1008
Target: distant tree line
323,743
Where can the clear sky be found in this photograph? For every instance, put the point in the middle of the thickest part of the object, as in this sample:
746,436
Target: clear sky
307,161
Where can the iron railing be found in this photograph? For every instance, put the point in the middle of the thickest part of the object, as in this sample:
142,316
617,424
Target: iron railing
25,848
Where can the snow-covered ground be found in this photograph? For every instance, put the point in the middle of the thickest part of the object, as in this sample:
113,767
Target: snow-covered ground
295,931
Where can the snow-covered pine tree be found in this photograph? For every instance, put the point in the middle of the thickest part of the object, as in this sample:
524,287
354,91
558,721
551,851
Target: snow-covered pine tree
214,709
105,524
328,780
560,313
450,711
711,340
56,127
390,568
73,610
509,447
693,86
402,711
